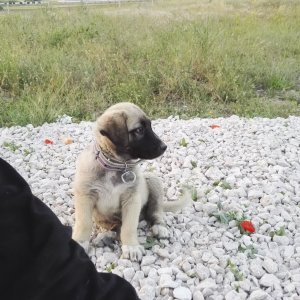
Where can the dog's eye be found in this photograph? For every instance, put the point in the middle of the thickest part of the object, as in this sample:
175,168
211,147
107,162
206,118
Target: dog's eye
139,130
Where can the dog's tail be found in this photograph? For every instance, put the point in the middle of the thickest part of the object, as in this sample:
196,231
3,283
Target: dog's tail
174,206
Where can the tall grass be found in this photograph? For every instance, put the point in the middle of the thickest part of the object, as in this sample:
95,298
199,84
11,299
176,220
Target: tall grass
168,58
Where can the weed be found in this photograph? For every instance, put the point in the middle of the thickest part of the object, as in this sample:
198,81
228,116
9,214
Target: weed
26,152
223,184
151,241
151,168
237,288
280,232
233,268
207,191
201,141
226,216
183,142
194,194
110,267
216,183
194,164
250,250
11,146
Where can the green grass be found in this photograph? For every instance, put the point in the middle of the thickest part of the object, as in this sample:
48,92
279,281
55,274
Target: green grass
192,58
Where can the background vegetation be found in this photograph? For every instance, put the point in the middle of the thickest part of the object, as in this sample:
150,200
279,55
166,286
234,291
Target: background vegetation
192,58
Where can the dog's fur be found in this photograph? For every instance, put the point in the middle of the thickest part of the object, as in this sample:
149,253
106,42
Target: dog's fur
123,132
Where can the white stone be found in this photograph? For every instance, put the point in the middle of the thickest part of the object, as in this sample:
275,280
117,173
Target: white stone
256,269
245,285
289,288
269,280
296,278
197,295
128,273
188,162
281,240
259,295
147,292
153,274
264,228
208,283
165,291
234,295
148,260
166,270
218,252
247,240
288,252
229,246
124,263
214,173
210,208
138,276
182,293
206,256
266,200
231,179
148,281
202,271
163,253
255,193
166,280
182,276
109,257
269,265
186,266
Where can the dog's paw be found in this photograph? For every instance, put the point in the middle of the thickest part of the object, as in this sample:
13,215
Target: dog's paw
160,231
134,253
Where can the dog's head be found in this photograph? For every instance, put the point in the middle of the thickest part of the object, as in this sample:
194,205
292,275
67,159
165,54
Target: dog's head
125,130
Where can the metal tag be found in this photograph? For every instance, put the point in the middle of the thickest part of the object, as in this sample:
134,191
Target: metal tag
128,177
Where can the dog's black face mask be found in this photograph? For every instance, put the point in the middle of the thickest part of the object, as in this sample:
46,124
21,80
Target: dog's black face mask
139,142
144,143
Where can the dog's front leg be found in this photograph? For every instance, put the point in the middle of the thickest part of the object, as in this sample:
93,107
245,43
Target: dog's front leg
131,248
83,220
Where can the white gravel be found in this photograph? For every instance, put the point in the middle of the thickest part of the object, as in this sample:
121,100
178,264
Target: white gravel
248,165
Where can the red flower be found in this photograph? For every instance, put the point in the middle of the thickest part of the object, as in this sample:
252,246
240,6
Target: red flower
48,142
248,226
214,126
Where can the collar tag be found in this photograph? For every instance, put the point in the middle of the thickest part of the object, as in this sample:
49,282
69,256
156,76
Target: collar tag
128,177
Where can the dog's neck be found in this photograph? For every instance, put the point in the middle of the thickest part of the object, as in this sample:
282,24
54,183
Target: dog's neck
109,162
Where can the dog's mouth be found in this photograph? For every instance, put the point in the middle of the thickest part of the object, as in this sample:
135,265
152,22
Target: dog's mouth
148,151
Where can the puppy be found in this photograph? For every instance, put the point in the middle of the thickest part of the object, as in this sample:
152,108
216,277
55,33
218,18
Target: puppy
109,187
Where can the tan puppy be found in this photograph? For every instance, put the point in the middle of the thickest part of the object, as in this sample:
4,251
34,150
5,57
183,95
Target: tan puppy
109,185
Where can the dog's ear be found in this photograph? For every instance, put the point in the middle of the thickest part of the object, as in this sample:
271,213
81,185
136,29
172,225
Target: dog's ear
114,127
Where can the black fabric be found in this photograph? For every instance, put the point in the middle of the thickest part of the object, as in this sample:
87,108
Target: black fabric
38,258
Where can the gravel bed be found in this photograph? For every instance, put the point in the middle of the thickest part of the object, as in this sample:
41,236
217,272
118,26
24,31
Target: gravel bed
246,166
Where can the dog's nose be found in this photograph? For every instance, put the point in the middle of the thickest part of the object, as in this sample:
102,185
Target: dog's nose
163,146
